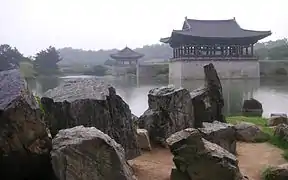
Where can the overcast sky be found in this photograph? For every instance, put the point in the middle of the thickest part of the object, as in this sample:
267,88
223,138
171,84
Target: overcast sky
32,25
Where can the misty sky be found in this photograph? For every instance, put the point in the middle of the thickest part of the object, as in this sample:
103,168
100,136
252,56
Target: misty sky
32,25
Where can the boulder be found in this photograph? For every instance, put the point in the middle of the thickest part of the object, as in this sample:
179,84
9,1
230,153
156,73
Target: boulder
276,119
279,172
220,133
252,107
196,158
24,141
281,131
91,103
135,120
86,153
249,132
170,110
143,139
213,84
201,106
208,101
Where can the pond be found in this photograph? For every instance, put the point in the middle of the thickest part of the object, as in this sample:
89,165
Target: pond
272,93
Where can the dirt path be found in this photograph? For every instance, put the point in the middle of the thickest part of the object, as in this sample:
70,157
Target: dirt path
253,158
156,165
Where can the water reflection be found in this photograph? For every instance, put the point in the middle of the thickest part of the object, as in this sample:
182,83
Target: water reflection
271,93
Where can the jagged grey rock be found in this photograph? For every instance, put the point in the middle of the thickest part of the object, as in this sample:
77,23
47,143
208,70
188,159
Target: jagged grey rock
219,133
215,94
143,139
208,101
276,119
279,172
86,153
170,110
24,141
91,103
249,132
193,156
281,131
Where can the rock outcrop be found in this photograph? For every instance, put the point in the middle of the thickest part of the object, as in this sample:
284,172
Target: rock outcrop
279,172
91,103
170,110
86,154
201,106
143,139
276,119
252,107
249,132
281,131
219,133
213,84
208,100
196,158
24,141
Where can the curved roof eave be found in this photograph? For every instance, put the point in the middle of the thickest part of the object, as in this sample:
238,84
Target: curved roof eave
249,34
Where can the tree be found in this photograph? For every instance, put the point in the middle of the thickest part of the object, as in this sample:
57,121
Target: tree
46,61
9,57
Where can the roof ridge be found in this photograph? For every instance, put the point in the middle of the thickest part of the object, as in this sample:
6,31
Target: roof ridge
233,19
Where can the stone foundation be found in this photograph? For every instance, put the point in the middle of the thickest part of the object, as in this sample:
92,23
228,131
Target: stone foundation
225,69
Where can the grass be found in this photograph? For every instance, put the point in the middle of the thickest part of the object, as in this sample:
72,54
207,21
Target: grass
267,174
262,123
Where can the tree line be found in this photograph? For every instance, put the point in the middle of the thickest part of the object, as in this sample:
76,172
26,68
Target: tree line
47,61
43,63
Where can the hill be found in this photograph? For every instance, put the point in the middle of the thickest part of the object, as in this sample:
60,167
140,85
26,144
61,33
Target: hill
265,50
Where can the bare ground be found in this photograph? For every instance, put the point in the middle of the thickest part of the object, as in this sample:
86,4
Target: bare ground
253,157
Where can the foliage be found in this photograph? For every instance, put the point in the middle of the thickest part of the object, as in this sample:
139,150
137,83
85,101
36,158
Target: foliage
97,70
9,57
262,123
46,61
38,100
267,174
27,69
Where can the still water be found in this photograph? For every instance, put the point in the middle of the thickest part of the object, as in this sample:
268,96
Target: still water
272,93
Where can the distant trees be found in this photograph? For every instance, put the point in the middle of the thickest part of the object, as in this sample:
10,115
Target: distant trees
98,70
45,62
9,57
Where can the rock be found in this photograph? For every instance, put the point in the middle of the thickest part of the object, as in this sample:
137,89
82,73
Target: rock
219,133
249,132
279,172
91,103
281,131
208,101
201,106
276,119
86,154
170,110
252,107
143,139
193,156
24,142
135,120
213,84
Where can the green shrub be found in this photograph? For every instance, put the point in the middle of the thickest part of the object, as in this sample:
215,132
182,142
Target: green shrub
267,174
38,100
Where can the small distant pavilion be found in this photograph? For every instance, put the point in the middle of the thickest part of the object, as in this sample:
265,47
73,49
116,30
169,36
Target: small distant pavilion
126,57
